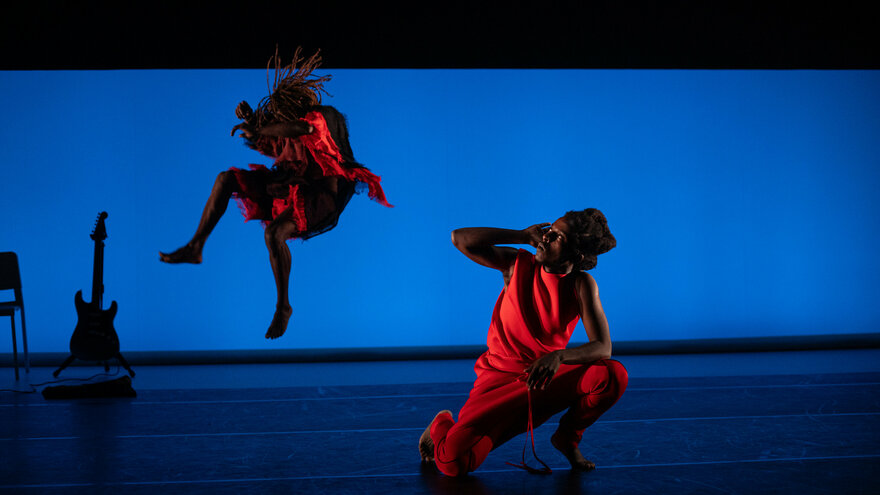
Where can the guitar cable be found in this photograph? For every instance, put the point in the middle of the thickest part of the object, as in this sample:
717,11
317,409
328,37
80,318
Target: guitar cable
34,386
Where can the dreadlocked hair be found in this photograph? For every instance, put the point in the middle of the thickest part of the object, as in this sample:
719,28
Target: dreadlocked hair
292,91
591,236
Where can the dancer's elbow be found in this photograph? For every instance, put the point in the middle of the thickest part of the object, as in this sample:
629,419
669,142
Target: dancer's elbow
457,238
606,350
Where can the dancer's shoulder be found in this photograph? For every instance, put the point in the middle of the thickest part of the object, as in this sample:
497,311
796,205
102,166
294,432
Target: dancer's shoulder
585,285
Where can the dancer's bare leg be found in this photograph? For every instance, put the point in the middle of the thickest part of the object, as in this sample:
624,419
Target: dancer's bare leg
191,252
277,233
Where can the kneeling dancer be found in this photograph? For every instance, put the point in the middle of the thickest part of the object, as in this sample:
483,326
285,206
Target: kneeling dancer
528,375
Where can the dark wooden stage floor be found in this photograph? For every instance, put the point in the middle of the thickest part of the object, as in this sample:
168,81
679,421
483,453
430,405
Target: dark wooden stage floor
680,428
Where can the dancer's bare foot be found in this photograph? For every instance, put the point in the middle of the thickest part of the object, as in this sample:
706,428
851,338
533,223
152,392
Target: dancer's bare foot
279,322
189,253
575,458
426,445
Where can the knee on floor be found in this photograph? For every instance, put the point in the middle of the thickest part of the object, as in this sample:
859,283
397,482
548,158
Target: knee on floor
458,458
454,468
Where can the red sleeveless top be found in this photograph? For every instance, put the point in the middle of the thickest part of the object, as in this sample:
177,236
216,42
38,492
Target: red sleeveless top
534,315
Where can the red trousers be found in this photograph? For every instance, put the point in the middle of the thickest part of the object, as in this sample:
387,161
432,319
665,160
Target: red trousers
497,410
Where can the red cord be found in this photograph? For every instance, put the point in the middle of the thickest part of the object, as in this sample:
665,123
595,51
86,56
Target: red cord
531,429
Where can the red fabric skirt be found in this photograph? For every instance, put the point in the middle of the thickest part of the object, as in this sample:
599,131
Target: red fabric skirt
312,208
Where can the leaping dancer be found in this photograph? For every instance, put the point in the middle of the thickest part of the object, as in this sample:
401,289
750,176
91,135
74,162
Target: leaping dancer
307,187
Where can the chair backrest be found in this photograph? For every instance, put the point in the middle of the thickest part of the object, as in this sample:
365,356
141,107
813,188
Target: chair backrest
9,275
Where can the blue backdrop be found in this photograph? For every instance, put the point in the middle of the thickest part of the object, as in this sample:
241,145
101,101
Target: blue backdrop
744,202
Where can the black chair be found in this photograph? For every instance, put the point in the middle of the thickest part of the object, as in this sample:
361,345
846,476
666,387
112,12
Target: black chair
10,278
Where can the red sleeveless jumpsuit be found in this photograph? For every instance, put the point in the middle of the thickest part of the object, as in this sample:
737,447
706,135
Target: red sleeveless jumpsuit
535,315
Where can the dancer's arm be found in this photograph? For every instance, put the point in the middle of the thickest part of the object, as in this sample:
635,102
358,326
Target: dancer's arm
595,323
249,128
480,244
282,129
293,129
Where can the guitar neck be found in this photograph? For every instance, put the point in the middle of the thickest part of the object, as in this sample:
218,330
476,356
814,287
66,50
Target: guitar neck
98,275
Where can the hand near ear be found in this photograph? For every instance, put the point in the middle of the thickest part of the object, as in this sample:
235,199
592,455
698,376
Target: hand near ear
536,233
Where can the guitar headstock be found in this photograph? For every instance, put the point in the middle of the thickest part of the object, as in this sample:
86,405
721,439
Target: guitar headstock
100,232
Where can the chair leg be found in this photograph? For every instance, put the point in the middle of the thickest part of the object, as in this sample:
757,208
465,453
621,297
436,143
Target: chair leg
14,345
27,359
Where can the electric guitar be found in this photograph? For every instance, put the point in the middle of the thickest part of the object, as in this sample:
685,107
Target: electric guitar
94,338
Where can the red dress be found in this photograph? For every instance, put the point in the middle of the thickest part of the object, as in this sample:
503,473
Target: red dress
311,157
535,314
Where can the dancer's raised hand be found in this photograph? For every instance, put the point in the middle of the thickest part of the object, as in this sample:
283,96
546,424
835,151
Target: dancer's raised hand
536,232
244,112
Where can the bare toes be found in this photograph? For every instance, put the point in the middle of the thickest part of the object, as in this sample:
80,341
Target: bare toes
186,254
426,443
279,322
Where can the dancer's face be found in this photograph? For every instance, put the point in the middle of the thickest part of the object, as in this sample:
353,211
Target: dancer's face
554,250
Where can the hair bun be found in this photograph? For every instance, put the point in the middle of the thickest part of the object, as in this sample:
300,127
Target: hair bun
592,234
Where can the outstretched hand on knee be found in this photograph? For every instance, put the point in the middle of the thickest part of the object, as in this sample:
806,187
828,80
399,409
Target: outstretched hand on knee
542,370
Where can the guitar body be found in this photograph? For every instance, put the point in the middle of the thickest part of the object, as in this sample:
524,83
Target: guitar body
94,338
